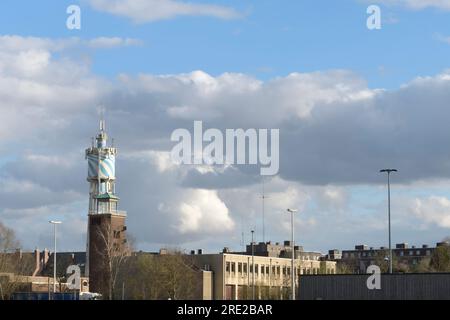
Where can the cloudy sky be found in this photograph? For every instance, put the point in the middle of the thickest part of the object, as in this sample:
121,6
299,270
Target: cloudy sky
348,101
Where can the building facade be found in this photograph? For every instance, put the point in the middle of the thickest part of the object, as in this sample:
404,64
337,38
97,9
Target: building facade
265,275
359,259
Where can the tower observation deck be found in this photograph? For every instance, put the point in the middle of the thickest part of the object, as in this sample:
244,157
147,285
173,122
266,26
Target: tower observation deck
102,175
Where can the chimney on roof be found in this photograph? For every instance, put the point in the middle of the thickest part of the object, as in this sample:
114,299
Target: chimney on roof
200,251
37,262
46,257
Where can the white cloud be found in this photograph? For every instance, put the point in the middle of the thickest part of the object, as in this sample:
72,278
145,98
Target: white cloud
335,132
203,211
14,43
442,38
416,4
160,159
141,11
434,210
201,96
108,42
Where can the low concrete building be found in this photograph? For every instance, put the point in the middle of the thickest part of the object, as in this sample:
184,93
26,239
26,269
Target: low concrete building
235,274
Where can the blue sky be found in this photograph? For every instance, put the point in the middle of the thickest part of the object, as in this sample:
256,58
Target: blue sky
271,39
266,64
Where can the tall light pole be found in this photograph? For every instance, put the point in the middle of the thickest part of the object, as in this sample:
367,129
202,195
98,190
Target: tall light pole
292,211
389,171
55,223
253,268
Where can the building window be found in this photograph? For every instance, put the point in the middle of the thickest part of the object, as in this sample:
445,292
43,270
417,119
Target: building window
401,253
245,268
240,267
227,268
428,252
256,269
267,269
418,252
233,267
274,270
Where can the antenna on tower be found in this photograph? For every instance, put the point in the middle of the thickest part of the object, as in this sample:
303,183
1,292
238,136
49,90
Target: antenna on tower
242,242
101,112
102,125
263,197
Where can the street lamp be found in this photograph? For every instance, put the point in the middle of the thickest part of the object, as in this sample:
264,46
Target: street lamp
389,171
292,211
55,223
253,268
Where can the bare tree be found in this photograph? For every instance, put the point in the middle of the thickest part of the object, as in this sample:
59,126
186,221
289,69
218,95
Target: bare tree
113,256
12,263
161,277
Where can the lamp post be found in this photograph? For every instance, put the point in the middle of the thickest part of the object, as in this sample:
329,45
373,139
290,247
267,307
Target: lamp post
292,211
55,223
389,171
253,268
